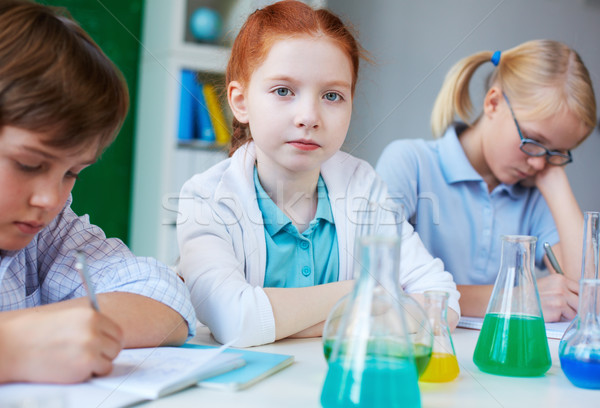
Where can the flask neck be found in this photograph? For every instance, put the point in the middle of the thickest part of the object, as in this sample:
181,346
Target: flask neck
591,246
517,253
378,260
515,290
436,305
589,301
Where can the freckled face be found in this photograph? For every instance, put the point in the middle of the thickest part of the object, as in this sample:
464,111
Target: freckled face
35,181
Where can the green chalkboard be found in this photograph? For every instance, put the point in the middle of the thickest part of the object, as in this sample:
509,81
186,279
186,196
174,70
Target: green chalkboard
104,190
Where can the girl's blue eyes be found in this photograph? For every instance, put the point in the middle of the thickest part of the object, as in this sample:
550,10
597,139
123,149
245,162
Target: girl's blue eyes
282,91
330,96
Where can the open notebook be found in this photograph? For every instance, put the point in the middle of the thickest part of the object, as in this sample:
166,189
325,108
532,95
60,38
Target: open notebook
553,330
138,375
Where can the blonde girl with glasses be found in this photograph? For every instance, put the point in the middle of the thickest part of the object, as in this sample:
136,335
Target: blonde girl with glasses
501,173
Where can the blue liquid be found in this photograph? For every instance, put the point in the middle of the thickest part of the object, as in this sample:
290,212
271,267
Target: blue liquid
582,373
383,382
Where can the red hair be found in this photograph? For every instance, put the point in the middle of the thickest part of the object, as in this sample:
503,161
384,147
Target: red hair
267,25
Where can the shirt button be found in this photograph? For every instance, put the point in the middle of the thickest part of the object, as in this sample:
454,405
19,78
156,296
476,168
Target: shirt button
306,271
304,244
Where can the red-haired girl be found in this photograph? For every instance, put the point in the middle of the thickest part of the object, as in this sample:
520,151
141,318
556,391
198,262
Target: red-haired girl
267,236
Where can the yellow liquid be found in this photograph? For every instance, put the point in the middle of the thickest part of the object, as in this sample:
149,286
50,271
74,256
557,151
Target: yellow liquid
442,367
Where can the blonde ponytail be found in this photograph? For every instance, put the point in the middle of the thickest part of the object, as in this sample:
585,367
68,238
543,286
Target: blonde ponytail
541,77
453,98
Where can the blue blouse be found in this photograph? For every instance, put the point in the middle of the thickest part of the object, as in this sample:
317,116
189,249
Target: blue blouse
457,218
299,259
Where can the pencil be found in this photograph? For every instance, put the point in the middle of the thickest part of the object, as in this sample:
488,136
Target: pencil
552,258
81,266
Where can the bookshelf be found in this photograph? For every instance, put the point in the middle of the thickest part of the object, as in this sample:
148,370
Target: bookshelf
162,163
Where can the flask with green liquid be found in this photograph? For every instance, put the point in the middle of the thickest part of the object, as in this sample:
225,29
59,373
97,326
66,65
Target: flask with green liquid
370,357
513,338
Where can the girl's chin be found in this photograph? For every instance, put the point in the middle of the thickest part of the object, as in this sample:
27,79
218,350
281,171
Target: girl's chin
527,182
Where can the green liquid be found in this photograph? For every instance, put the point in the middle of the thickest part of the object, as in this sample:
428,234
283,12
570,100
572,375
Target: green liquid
422,353
381,382
517,346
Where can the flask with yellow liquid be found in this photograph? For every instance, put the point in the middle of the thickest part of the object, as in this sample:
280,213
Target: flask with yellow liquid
443,366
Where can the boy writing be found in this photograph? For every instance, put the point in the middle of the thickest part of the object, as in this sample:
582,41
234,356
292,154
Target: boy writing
61,104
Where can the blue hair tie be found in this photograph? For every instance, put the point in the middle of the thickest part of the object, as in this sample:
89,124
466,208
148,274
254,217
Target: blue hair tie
496,58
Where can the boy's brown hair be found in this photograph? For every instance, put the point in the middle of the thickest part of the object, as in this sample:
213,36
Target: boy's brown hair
54,79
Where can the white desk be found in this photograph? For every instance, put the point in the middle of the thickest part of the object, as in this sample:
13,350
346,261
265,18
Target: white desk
300,384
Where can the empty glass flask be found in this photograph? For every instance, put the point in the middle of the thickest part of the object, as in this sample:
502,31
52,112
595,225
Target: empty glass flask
513,338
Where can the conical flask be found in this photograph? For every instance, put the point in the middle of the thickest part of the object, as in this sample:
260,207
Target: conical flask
513,338
580,353
443,366
590,262
387,221
417,323
371,362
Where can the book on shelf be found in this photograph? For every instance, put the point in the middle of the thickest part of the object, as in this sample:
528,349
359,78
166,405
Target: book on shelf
201,115
222,135
187,104
204,125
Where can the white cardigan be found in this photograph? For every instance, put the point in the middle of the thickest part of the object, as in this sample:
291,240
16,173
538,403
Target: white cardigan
223,251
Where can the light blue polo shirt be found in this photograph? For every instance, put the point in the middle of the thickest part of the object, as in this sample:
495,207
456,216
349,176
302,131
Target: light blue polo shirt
297,260
450,207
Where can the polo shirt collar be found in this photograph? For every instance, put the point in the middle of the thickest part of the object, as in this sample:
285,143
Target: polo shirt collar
515,191
454,162
275,220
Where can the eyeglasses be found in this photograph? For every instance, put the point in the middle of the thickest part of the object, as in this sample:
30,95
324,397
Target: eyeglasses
532,148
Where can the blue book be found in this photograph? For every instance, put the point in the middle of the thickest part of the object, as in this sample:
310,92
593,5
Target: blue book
187,106
206,131
258,366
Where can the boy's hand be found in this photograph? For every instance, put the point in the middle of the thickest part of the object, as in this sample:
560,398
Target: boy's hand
559,297
58,346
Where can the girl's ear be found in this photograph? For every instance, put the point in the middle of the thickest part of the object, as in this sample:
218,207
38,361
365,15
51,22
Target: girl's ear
492,100
237,101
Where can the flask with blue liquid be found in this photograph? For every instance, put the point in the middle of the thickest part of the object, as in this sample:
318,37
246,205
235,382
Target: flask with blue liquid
580,353
590,262
370,356
579,349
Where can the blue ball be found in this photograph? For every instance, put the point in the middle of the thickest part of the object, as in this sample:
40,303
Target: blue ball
205,24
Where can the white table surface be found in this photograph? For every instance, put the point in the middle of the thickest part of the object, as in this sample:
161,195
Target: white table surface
299,385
